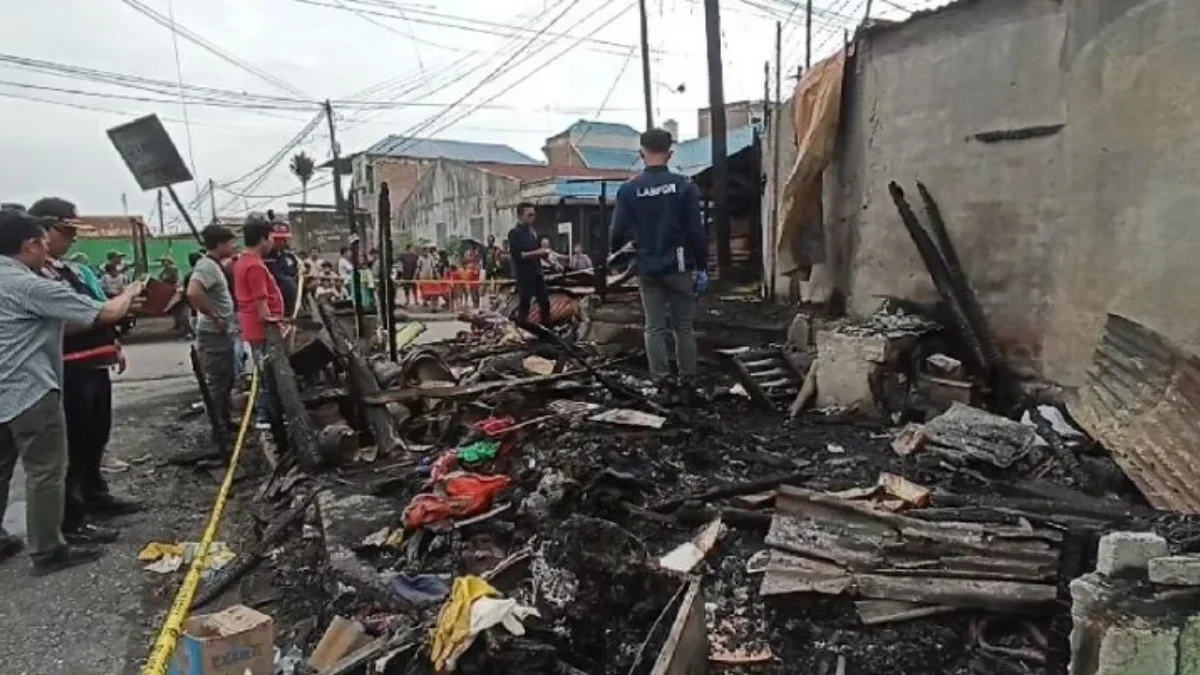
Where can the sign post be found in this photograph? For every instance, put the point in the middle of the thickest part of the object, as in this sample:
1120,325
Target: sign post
153,159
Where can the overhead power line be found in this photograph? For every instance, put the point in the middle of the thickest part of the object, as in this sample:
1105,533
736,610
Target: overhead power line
213,49
457,22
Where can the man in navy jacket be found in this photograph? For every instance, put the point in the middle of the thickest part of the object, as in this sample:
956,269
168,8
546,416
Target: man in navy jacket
660,211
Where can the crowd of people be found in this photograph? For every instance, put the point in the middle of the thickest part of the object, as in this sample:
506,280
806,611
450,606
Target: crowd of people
61,325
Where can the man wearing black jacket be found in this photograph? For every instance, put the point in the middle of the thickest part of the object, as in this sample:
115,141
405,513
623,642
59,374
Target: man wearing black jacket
88,354
660,211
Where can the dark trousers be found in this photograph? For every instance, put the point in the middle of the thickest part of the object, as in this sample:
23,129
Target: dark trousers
528,289
87,404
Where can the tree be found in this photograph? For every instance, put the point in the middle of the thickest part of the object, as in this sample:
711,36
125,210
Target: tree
303,168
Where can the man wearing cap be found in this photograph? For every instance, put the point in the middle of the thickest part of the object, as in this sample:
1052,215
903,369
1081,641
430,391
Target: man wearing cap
88,353
660,211
284,265
259,303
33,313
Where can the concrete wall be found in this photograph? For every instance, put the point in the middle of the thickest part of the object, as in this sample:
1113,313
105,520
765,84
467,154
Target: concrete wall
452,193
915,97
1132,160
1053,231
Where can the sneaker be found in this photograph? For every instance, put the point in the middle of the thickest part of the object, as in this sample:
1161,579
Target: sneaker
111,505
10,545
64,558
92,534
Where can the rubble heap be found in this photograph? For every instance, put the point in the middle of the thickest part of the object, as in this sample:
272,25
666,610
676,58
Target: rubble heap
499,504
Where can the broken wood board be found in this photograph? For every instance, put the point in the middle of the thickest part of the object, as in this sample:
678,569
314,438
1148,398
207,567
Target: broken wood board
301,432
787,574
826,544
910,439
875,612
462,391
633,418
757,500
686,649
965,434
342,637
907,491
684,558
537,365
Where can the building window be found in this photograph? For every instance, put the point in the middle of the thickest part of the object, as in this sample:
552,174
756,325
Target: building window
371,178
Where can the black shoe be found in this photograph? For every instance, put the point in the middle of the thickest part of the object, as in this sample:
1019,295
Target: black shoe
65,557
92,534
10,545
110,505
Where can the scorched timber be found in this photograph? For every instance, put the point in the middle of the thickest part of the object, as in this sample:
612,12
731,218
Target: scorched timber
831,545
362,382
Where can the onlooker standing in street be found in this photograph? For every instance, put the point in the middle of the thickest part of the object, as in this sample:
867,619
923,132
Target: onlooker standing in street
660,211
181,313
580,261
527,256
408,274
33,312
284,266
259,303
112,281
208,292
88,354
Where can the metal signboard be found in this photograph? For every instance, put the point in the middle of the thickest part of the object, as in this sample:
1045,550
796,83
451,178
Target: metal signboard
149,153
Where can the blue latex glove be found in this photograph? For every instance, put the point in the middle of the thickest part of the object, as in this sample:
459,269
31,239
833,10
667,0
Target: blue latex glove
702,282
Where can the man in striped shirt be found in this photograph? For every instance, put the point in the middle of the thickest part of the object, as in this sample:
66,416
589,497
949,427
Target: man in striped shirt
33,313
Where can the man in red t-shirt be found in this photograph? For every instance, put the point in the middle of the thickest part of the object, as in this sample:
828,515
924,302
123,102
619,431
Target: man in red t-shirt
259,302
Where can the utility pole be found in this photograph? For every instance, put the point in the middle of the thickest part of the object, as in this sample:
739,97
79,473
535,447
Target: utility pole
340,202
646,84
388,306
776,179
339,198
867,15
162,217
212,199
808,35
720,151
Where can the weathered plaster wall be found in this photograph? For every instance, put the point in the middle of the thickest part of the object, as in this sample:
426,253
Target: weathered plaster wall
453,193
1131,197
915,98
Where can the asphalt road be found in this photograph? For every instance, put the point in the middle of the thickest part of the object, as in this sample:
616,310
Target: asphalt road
100,619
85,621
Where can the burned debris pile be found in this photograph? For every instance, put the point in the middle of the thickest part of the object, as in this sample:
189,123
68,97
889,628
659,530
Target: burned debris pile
514,502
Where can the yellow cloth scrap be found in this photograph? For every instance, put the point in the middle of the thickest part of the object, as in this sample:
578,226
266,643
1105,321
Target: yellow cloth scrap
452,635
164,557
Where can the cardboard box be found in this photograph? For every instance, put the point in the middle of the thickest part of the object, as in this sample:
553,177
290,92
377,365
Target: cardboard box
236,641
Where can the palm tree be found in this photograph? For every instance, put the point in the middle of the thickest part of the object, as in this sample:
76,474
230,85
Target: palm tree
303,167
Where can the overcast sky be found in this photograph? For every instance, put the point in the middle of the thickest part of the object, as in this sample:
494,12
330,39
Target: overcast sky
57,146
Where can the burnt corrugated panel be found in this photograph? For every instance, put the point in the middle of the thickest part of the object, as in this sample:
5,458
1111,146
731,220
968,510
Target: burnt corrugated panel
1141,399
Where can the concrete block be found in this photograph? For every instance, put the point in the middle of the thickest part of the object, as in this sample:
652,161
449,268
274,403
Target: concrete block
1128,553
1176,570
849,368
1189,647
800,332
1138,648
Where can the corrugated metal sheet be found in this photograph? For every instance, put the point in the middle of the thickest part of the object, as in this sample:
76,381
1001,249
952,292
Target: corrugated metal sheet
695,155
433,148
1141,399
588,128
609,158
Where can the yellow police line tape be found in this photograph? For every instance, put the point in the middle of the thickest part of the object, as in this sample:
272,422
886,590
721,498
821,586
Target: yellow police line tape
168,636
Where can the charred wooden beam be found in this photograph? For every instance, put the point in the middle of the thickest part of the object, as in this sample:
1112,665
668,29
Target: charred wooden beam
301,433
362,383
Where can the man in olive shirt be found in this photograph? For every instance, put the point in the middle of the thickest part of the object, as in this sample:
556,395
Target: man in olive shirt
33,313
208,292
